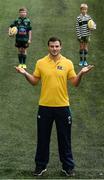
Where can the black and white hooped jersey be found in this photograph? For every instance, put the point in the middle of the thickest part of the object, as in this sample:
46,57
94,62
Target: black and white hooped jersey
82,26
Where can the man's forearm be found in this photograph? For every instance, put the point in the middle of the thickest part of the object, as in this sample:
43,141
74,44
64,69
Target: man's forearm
30,78
76,81
78,78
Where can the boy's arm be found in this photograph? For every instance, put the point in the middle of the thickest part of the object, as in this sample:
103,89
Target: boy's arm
29,31
30,36
9,31
12,25
78,29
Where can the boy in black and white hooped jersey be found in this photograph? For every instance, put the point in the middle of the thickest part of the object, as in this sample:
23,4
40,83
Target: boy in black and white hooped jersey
83,33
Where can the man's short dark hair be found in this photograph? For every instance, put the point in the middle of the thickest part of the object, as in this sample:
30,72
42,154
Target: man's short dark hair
53,39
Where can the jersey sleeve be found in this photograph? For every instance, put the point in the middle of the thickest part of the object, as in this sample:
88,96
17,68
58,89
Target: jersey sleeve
14,23
71,72
29,25
78,29
37,71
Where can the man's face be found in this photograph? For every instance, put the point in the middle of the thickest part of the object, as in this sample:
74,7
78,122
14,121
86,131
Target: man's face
54,48
23,13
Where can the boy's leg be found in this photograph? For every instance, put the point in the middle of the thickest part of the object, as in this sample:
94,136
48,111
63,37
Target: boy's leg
24,52
85,53
81,54
24,57
20,57
18,45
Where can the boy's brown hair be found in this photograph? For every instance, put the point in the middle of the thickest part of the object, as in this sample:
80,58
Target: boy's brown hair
23,9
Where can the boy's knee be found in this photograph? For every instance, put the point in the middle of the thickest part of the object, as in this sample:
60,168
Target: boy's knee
85,51
22,50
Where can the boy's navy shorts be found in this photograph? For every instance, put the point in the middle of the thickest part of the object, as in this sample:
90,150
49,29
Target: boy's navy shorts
22,44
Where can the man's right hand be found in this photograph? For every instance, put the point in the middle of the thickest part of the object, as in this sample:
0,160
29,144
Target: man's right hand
20,70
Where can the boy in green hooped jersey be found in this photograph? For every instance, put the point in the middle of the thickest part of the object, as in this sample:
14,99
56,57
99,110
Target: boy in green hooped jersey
23,36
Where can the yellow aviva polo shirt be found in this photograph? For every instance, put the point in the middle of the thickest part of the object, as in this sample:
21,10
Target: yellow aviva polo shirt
54,76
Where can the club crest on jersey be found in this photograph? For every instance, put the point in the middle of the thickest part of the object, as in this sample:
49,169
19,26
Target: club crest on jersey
60,67
19,22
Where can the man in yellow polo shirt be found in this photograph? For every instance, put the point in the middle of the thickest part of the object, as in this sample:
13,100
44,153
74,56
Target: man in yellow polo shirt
54,71
54,80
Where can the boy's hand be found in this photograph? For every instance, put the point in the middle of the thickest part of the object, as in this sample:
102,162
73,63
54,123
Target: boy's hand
9,31
29,41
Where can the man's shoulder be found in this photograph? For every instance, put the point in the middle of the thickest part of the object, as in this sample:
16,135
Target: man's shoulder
66,60
42,60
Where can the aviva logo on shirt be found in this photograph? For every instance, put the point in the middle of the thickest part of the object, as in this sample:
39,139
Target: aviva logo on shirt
60,67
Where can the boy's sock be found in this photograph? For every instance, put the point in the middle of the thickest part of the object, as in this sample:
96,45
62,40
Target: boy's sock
20,57
81,55
24,56
85,54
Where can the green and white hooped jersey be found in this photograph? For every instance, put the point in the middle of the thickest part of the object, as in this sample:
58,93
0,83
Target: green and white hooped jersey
24,26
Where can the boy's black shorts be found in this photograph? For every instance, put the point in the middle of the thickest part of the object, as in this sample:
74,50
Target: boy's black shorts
22,44
85,39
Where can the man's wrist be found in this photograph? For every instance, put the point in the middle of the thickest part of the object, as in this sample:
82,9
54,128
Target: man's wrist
81,73
25,73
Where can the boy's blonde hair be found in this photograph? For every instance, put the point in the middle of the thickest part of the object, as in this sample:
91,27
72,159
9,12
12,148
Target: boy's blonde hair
83,6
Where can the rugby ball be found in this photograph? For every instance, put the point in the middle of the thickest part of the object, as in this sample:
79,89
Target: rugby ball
13,31
91,24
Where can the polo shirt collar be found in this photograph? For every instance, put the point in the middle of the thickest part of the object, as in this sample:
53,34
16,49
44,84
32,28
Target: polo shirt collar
58,60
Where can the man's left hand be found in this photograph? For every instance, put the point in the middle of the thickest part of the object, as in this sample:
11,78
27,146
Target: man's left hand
87,68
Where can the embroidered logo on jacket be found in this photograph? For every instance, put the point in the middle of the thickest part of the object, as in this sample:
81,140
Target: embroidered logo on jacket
60,67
